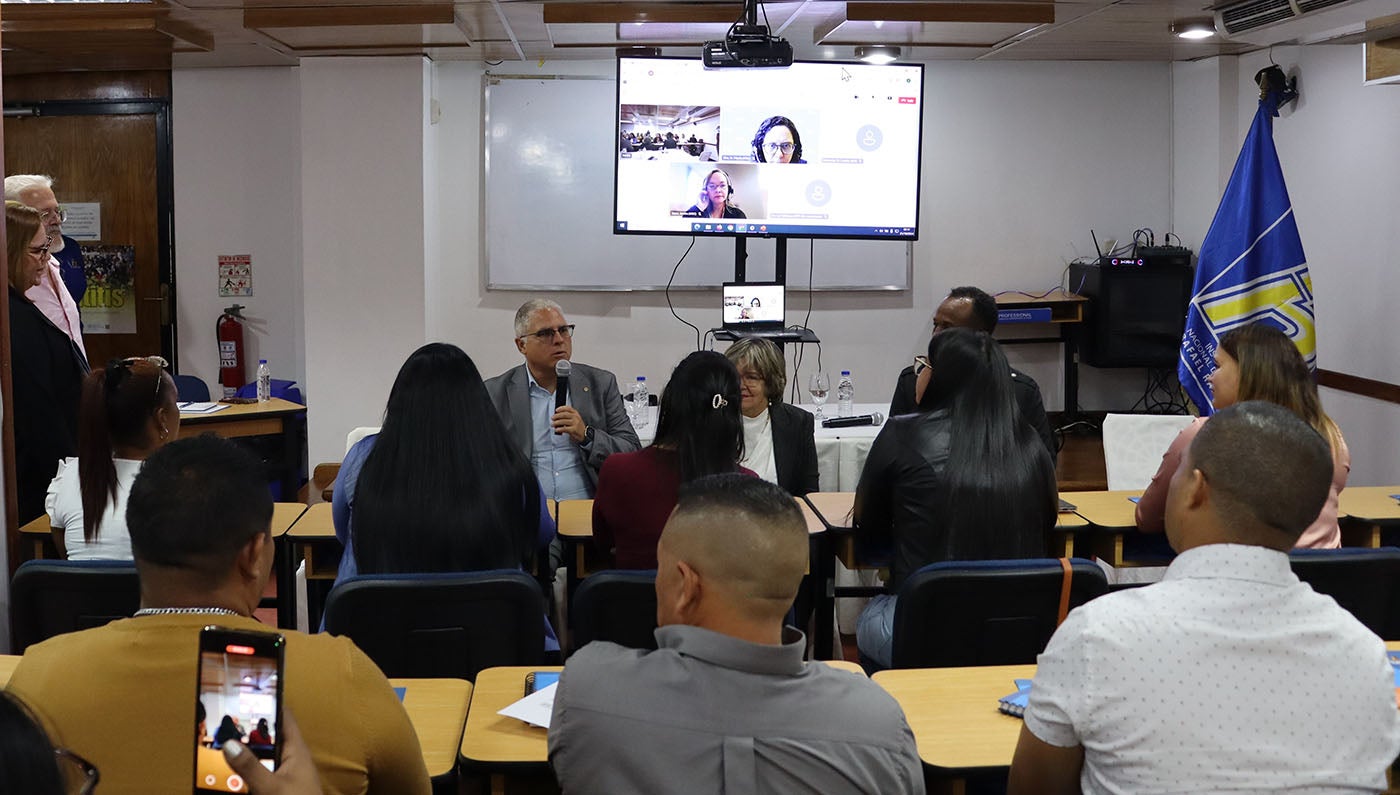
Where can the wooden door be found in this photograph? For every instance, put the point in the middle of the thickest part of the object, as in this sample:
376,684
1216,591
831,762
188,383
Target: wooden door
112,159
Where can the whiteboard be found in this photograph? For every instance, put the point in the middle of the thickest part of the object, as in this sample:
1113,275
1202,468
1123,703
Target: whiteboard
548,148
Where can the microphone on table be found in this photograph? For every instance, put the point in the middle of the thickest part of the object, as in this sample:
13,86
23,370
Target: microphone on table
873,418
562,370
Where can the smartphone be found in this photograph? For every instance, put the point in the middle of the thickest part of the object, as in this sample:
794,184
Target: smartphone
539,680
239,698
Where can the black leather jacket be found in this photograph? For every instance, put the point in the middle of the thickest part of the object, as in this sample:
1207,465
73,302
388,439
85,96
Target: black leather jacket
899,501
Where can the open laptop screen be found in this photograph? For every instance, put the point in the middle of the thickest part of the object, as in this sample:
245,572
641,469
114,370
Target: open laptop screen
753,306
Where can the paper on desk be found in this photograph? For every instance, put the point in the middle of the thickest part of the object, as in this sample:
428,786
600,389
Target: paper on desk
535,709
201,408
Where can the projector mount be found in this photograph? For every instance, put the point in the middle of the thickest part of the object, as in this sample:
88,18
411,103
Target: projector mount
748,44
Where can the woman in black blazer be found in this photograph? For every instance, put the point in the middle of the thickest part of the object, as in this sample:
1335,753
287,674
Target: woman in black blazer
778,438
46,369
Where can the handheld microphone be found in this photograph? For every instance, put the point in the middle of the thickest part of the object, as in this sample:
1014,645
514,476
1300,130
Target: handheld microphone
562,370
874,418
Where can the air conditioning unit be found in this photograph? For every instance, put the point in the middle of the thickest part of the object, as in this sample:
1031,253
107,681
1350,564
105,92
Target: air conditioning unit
1266,22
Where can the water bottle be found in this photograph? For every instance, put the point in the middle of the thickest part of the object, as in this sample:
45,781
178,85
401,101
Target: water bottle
264,382
640,401
845,395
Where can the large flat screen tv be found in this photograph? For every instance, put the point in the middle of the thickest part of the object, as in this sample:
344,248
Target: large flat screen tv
818,149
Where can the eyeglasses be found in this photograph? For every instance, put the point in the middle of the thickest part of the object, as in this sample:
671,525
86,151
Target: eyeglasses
775,148
547,334
158,362
921,364
61,213
79,775
41,252
751,377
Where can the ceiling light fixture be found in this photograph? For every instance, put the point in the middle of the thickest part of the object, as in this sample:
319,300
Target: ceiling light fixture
1194,29
878,54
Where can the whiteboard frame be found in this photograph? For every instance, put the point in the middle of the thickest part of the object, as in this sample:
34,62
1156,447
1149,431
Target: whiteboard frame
488,78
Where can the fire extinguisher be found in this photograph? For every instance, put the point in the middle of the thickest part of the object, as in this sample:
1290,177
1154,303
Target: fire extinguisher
230,334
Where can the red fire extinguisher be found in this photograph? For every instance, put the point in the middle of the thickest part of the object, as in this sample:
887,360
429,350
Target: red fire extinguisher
230,334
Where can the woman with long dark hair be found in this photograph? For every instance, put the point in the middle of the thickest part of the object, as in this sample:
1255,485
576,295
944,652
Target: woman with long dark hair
441,487
698,433
46,368
965,478
1258,362
128,411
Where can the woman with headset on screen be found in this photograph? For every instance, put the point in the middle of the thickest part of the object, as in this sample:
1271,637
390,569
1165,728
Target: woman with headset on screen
777,141
715,193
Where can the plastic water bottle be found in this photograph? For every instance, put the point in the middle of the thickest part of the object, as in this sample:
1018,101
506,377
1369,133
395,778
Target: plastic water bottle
264,382
640,400
845,395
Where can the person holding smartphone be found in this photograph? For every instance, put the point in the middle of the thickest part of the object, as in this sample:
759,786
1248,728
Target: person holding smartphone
199,516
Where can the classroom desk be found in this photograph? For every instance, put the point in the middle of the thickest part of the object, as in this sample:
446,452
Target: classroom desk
38,535
1365,511
500,746
311,539
437,708
1109,514
953,714
8,663
275,417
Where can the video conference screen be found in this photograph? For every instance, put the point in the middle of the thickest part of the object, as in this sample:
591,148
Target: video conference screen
818,149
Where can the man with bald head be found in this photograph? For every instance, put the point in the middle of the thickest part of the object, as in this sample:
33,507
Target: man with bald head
1230,673
970,307
726,704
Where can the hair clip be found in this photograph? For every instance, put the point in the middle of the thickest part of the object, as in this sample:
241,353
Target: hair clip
719,402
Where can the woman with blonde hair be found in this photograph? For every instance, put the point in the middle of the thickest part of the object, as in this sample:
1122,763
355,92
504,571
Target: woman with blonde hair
46,368
1259,362
778,438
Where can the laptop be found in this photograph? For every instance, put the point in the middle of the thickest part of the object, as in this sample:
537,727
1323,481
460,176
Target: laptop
753,307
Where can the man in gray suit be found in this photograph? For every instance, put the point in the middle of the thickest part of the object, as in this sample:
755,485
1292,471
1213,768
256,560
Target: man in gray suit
566,446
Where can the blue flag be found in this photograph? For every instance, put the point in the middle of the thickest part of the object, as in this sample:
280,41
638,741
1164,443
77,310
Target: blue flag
1251,266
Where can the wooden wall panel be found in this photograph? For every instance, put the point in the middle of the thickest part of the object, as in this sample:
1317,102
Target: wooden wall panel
154,84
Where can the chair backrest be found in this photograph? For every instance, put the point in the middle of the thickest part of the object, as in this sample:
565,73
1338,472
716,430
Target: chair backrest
619,606
441,625
191,388
52,597
1133,445
986,612
1365,582
352,438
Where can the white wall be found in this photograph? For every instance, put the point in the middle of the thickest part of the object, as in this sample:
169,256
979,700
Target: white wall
1021,160
237,141
1342,164
363,236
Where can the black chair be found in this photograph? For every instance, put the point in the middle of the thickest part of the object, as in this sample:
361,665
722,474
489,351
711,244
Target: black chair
191,389
618,606
52,597
989,612
1366,582
441,625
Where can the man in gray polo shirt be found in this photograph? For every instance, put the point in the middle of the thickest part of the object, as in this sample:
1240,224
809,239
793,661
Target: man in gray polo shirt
726,704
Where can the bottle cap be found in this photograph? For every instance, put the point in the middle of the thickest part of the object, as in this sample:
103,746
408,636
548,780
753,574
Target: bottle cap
262,361
845,372
641,378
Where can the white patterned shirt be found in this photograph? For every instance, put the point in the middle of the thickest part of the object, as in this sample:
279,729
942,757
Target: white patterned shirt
1229,674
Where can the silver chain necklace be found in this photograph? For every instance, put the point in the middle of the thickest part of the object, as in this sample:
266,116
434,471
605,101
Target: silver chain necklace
161,611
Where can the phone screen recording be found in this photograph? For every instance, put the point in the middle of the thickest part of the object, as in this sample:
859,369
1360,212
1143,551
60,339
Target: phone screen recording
239,698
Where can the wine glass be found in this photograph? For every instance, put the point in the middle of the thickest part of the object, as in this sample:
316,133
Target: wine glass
818,385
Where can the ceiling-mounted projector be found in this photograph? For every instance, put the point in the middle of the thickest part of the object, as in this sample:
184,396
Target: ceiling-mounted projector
747,46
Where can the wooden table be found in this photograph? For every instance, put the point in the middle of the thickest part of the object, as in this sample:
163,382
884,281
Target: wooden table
275,417
953,714
38,535
501,746
437,708
311,539
1365,511
1109,515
